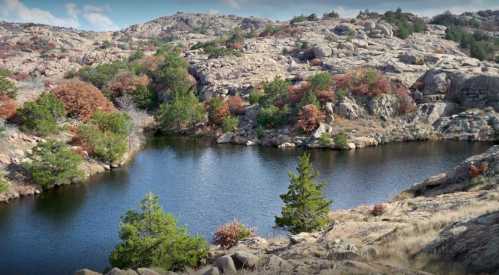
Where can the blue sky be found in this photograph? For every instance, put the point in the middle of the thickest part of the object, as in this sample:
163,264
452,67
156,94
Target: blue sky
117,14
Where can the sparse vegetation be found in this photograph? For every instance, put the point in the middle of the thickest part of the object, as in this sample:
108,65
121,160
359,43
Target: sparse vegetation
405,23
7,88
151,237
325,139
53,163
305,208
230,124
42,116
228,235
4,184
341,140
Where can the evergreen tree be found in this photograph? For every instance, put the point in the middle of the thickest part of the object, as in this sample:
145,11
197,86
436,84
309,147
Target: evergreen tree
151,238
305,208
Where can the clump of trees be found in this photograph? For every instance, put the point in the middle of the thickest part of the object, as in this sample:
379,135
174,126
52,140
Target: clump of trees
43,115
229,45
305,208
468,33
228,235
105,135
406,23
53,163
182,112
151,237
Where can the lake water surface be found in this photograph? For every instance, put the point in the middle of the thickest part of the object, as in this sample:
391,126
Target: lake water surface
203,185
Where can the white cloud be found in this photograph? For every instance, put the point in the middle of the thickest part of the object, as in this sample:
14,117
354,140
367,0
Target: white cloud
232,3
95,16
15,10
97,19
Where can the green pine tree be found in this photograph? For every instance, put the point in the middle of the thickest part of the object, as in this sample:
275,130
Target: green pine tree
305,208
151,238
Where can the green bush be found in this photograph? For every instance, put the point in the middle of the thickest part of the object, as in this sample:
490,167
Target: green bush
341,94
405,22
341,140
145,98
325,139
53,163
42,116
298,19
309,98
321,82
4,184
136,56
272,117
151,238
106,135
182,112
254,96
101,74
7,88
5,72
274,90
305,208
230,124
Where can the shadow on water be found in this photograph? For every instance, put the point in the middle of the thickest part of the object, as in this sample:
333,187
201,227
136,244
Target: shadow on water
203,185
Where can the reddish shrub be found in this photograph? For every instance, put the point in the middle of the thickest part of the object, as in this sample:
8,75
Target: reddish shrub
8,107
381,86
325,96
297,91
218,110
309,118
20,76
378,210
228,235
342,81
475,171
81,99
407,103
126,82
316,62
236,105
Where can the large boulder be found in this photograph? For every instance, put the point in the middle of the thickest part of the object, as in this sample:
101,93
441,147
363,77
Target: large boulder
432,112
472,245
226,265
384,106
348,108
474,124
117,271
245,259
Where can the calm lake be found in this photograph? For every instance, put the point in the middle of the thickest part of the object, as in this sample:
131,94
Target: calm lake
203,185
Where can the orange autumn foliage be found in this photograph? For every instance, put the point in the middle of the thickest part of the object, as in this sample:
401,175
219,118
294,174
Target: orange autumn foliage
81,100
309,118
8,107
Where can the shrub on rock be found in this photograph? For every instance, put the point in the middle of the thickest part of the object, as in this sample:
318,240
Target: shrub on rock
230,124
81,100
151,237
272,116
228,235
53,163
236,105
305,208
309,118
218,110
341,140
43,115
